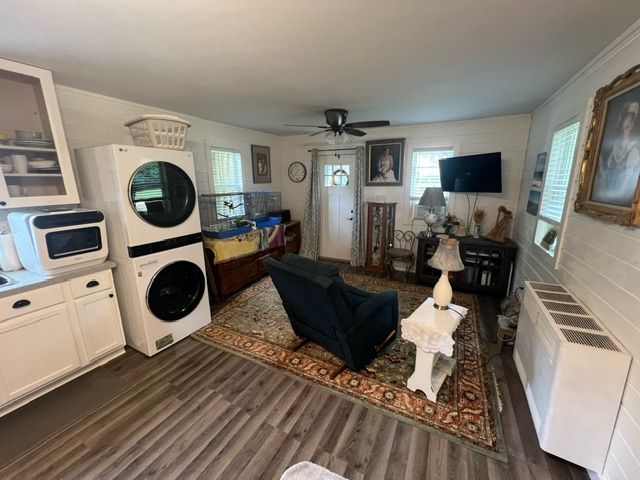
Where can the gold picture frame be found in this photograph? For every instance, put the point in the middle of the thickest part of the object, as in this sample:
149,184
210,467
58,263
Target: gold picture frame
609,174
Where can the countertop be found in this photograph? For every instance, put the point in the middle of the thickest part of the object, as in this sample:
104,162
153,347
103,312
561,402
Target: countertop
24,280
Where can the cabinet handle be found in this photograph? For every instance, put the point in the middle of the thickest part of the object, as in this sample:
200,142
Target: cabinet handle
22,303
93,283
2,203
111,295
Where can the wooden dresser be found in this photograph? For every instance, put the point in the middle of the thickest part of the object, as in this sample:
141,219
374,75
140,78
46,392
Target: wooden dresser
231,276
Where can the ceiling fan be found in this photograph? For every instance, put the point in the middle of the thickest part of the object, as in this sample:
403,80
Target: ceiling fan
336,119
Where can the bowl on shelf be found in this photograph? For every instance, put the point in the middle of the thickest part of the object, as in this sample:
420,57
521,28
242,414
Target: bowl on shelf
6,168
28,135
42,163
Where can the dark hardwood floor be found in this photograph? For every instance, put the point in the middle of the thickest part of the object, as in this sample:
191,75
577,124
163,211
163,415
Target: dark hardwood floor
199,412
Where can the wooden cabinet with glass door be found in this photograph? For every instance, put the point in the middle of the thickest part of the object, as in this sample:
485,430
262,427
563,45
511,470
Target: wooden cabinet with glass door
35,167
381,221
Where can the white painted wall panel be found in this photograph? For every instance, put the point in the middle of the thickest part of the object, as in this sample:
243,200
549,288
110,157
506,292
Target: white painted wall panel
505,134
600,261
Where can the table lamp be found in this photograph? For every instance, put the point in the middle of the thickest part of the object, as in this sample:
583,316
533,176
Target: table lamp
447,259
432,197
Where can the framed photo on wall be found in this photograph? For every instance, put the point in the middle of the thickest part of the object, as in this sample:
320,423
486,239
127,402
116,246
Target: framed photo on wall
385,161
538,169
261,163
533,204
610,173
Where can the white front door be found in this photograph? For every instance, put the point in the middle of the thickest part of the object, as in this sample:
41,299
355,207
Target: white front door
336,209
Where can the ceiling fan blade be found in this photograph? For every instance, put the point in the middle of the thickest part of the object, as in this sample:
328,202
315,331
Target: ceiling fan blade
354,132
310,126
370,124
321,131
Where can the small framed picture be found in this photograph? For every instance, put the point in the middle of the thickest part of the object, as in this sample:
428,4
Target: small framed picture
538,170
261,163
533,204
385,160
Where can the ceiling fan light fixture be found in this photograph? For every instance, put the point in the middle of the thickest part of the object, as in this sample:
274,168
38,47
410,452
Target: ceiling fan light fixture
345,137
330,137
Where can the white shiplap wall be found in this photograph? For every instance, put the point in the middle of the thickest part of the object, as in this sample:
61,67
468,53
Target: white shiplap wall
503,134
599,261
91,119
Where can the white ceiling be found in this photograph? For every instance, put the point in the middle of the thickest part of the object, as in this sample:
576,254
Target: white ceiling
260,63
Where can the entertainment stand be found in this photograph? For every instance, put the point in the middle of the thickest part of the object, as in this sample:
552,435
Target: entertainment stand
488,269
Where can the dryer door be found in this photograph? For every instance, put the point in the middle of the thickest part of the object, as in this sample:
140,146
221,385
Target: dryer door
162,194
176,290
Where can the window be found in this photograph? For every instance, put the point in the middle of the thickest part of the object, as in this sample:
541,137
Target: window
336,175
425,171
226,175
554,191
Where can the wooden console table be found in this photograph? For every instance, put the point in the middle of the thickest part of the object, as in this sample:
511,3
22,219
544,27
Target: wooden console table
488,265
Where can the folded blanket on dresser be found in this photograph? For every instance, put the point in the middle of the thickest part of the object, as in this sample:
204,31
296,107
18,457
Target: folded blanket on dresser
226,249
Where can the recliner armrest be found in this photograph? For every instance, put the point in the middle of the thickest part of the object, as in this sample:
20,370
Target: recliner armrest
372,307
354,296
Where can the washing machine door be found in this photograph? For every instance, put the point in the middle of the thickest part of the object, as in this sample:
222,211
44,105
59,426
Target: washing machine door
176,290
162,194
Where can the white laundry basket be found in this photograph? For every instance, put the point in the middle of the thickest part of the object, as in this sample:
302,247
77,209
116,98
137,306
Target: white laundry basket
159,131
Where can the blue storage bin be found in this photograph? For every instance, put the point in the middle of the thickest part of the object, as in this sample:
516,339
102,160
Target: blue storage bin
267,221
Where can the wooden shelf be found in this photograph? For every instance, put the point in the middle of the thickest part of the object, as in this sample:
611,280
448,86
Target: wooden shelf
488,265
26,149
32,175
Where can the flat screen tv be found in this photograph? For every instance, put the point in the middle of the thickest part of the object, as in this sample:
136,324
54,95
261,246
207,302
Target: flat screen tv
472,173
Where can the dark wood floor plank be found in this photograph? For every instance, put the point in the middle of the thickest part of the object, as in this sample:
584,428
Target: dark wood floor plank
198,411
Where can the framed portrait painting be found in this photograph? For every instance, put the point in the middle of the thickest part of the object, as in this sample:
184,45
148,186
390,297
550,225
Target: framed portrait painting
385,161
610,173
538,170
261,163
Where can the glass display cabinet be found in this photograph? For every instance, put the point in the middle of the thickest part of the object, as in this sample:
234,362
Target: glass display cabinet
35,167
381,221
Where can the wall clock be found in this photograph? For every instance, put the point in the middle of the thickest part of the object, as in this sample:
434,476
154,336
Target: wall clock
297,172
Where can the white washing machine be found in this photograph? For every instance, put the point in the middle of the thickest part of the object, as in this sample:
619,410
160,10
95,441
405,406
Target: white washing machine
147,194
163,297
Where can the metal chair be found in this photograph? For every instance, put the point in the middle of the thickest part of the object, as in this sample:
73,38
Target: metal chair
401,251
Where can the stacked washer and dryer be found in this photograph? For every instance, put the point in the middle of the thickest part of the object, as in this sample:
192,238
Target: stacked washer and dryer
148,196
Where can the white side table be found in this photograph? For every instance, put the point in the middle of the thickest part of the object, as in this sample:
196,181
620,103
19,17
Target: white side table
431,330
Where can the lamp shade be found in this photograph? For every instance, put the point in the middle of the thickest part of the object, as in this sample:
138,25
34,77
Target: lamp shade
447,256
432,197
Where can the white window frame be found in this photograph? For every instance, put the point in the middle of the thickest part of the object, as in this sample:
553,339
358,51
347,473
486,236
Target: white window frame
416,212
210,150
569,193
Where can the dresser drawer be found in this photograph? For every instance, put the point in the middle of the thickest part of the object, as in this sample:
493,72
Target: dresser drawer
27,302
89,284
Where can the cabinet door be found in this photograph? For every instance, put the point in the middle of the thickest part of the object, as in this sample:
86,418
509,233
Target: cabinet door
100,323
36,349
36,166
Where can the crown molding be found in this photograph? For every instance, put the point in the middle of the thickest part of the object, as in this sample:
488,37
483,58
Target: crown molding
624,39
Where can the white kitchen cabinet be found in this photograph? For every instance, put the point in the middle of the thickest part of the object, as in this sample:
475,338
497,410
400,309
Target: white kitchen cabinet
35,171
36,349
52,334
99,319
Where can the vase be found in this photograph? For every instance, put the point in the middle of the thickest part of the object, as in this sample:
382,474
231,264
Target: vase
476,230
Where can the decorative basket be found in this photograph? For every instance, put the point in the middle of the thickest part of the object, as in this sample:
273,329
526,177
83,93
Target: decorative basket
159,131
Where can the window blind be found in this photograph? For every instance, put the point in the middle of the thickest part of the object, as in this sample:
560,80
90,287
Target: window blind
425,171
556,182
226,173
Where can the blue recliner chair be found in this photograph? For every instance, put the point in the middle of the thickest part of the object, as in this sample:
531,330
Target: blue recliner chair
354,324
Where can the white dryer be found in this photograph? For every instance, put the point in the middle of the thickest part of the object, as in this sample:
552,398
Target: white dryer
163,297
147,194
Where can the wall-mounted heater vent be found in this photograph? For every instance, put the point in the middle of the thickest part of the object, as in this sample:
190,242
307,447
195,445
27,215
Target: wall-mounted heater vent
589,339
557,297
572,308
547,286
570,367
586,323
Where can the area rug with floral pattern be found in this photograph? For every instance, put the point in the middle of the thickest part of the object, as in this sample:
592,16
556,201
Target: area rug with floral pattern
255,325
